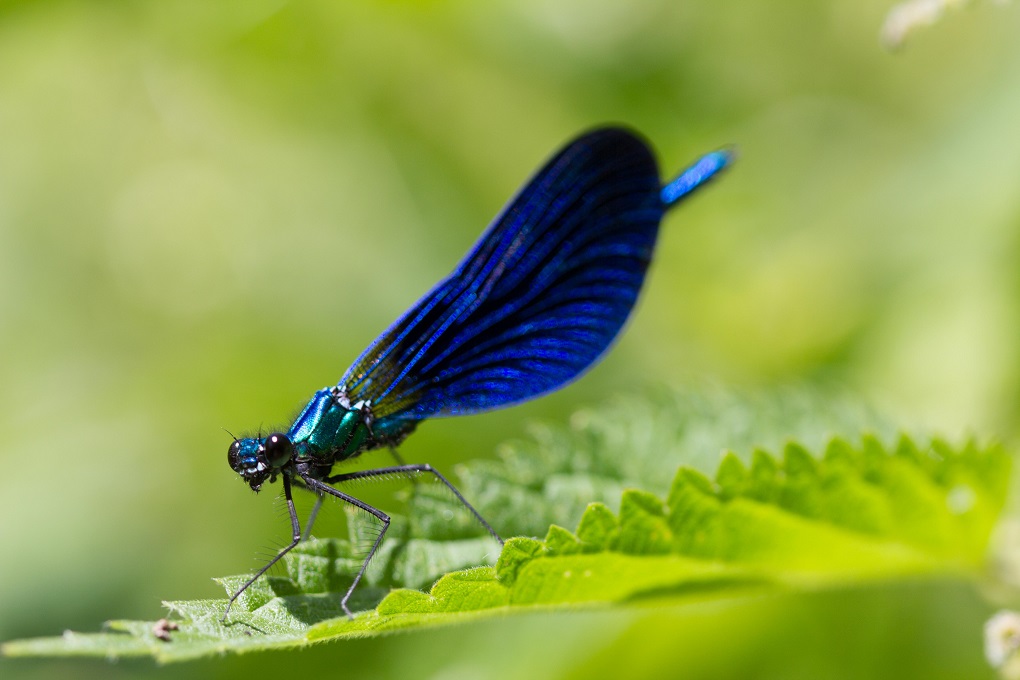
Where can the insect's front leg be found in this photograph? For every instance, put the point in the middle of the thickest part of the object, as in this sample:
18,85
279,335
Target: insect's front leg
295,539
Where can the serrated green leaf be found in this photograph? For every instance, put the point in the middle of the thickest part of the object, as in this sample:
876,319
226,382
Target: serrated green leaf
827,512
643,526
517,552
559,541
731,476
598,528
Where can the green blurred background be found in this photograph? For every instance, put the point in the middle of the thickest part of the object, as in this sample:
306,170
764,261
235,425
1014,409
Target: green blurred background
207,209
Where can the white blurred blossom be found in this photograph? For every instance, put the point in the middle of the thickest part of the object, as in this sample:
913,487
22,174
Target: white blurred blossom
903,18
1002,637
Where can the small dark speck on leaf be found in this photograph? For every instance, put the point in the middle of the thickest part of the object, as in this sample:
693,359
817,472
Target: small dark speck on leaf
162,628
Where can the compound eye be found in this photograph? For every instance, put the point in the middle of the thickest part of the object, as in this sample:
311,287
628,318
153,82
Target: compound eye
234,455
278,449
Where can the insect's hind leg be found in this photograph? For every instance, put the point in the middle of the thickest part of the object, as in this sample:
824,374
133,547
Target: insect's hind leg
409,469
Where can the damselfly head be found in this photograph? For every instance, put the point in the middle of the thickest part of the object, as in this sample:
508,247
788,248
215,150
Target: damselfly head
259,459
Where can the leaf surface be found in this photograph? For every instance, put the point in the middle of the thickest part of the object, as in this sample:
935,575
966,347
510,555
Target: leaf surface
811,516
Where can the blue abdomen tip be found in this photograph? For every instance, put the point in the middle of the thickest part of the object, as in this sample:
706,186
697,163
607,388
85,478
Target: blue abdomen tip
704,169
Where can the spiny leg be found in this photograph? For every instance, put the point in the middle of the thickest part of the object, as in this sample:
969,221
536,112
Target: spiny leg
321,488
405,469
311,517
295,539
319,498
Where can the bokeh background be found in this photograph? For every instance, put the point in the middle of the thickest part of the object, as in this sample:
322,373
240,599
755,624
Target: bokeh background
207,209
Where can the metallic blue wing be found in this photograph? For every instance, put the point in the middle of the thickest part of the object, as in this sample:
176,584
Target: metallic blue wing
536,301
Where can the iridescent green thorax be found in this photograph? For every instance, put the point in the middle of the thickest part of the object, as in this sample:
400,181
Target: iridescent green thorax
331,429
